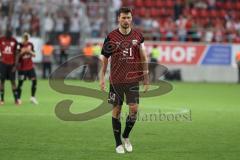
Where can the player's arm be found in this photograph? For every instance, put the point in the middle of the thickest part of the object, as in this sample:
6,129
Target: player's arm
144,62
32,51
17,56
104,64
103,70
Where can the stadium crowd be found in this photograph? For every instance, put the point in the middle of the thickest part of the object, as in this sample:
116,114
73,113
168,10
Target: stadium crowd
167,20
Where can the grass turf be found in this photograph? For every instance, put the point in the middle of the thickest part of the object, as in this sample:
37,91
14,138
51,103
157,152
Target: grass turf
34,132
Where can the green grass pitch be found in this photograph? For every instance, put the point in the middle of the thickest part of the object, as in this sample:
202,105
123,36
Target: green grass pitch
31,132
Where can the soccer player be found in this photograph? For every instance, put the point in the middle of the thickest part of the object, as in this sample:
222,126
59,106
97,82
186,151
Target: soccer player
8,50
0,65
125,46
25,67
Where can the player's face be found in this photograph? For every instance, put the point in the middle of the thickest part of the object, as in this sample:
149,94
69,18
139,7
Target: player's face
125,20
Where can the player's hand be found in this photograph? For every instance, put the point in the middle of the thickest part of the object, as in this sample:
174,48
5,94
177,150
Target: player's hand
102,85
145,87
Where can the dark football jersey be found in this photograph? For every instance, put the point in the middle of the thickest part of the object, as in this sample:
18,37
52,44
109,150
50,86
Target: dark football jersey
25,60
8,47
124,53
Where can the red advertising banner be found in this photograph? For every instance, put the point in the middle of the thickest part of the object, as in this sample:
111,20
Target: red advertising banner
179,53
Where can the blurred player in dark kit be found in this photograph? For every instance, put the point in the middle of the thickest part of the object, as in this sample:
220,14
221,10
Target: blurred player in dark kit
26,68
8,50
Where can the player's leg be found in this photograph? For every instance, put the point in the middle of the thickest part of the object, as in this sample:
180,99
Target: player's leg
3,77
21,78
116,99
12,74
32,75
130,120
15,91
19,88
116,124
132,96
2,91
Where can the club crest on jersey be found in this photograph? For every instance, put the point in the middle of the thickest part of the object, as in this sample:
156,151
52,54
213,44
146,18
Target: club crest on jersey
134,42
12,43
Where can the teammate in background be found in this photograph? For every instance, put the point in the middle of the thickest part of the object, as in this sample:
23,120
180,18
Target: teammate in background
0,65
25,67
125,46
8,50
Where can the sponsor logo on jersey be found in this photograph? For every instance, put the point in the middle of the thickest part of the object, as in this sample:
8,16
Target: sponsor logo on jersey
12,43
134,42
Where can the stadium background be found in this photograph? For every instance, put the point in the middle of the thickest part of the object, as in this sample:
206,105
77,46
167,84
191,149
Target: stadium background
198,38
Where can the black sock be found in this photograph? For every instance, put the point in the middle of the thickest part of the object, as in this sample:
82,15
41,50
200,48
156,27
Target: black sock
130,121
19,88
2,94
15,94
34,88
19,93
116,125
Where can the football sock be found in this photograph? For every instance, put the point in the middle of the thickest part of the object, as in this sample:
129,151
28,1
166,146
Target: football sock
130,121
34,87
116,125
15,94
2,94
20,83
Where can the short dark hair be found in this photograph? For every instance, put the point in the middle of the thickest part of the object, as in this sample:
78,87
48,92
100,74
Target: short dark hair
124,10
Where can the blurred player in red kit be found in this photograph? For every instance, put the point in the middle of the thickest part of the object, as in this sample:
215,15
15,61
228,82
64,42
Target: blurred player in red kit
26,68
8,50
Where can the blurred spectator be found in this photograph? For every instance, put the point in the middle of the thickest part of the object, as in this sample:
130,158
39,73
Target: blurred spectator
15,23
92,19
170,29
96,55
4,7
96,26
4,23
59,25
48,26
178,7
26,21
219,33
75,28
181,25
47,52
155,53
238,65
147,23
200,4
35,24
88,61
211,4
65,41
116,5
137,20
208,37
